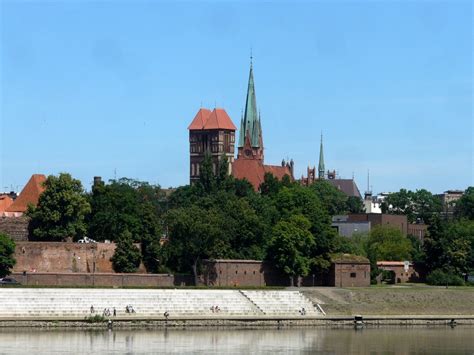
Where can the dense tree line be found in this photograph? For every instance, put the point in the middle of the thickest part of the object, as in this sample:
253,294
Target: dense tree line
287,224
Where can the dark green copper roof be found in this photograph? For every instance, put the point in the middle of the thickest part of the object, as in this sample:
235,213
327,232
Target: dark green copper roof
321,159
250,121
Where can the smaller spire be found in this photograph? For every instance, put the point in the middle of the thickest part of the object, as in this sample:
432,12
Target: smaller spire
321,167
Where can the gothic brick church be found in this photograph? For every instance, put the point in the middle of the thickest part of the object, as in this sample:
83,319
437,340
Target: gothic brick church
213,132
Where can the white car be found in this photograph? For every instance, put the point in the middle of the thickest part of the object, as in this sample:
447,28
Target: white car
86,240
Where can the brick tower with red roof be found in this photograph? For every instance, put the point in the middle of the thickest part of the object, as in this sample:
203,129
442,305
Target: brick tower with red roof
210,132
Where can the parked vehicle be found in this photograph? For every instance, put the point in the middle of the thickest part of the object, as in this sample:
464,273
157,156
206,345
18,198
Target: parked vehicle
86,240
9,281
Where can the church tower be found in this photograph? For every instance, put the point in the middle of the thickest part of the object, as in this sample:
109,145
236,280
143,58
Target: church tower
212,133
250,135
321,167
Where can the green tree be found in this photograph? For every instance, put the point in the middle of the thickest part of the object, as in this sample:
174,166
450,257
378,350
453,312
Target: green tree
388,243
449,246
420,204
126,257
194,234
290,247
465,205
125,204
333,200
354,205
207,179
400,203
61,210
270,185
7,249
130,205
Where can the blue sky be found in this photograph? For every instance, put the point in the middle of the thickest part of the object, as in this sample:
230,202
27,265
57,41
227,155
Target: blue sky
106,87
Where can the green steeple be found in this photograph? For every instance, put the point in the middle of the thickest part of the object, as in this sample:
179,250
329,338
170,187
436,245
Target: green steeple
242,131
251,122
321,167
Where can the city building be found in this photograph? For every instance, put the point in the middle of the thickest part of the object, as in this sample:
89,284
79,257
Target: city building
214,133
448,201
348,228
348,225
28,196
347,186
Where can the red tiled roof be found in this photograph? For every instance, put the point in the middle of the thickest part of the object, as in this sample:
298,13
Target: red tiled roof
217,119
5,202
200,119
249,169
278,171
29,195
254,171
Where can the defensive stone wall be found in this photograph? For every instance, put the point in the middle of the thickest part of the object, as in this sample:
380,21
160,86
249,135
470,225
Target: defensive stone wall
15,227
103,280
63,257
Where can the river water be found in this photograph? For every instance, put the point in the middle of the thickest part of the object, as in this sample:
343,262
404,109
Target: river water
384,340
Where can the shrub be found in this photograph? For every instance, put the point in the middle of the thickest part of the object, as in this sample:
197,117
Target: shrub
95,319
440,278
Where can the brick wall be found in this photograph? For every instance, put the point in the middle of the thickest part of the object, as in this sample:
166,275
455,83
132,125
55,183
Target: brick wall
418,230
349,275
111,280
15,227
415,273
62,257
238,273
233,273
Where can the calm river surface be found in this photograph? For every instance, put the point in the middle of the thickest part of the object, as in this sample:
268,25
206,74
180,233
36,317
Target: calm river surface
387,340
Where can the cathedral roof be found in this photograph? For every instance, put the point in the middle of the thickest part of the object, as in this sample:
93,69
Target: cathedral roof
254,171
217,119
29,195
348,186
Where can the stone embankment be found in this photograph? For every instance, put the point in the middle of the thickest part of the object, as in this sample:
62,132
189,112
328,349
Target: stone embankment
129,308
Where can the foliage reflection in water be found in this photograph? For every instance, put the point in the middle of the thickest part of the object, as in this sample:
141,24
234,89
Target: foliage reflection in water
392,340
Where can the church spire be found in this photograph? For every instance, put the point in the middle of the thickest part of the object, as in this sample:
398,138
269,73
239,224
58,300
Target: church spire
250,124
321,167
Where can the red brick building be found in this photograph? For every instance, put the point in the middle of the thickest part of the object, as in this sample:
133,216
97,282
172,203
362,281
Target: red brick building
402,271
29,195
349,271
418,230
346,271
214,133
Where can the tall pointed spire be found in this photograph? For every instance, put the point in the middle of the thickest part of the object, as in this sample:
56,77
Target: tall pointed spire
251,124
242,130
321,167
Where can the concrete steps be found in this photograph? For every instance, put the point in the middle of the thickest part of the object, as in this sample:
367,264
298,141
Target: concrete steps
45,303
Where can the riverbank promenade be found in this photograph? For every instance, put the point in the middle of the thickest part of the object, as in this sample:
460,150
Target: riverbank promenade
151,304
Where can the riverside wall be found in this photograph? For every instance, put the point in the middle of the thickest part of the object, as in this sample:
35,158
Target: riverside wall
64,257
102,279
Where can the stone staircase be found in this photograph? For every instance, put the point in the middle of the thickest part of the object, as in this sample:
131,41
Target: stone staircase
44,303
283,302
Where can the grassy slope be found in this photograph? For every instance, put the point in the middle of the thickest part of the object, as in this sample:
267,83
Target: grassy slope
408,300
